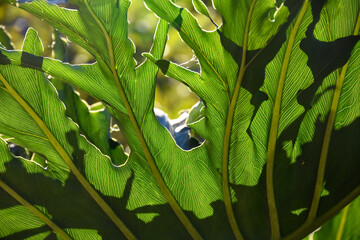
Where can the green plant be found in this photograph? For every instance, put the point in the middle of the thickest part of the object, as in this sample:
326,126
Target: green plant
279,115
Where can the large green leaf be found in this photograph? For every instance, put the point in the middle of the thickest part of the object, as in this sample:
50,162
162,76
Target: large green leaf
144,80
93,123
279,83
279,105
35,118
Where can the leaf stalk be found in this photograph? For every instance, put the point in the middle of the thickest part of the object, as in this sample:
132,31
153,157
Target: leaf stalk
35,211
227,137
274,221
159,179
57,146
304,230
340,232
327,137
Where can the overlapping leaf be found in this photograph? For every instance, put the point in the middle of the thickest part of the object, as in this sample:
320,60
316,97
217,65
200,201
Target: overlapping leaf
94,123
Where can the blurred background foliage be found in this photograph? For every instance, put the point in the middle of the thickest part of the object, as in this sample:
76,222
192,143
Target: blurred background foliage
171,96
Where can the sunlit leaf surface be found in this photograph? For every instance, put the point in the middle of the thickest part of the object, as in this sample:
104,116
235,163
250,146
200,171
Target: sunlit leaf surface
276,132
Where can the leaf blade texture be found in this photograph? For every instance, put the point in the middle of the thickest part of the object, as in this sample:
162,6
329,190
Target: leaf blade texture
278,84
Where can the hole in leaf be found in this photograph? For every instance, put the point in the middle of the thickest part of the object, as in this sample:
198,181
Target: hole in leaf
90,100
182,134
18,151
173,97
203,21
39,160
118,156
178,51
141,28
21,152
117,135
119,147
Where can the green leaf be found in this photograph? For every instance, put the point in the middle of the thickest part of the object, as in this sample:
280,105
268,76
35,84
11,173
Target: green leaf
94,124
263,25
30,200
142,106
47,130
272,106
280,116
5,39
134,111
201,8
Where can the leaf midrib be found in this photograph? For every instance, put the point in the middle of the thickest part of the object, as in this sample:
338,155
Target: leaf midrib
327,136
274,221
24,133
35,211
157,175
313,221
227,135
305,229
64,155
342,223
